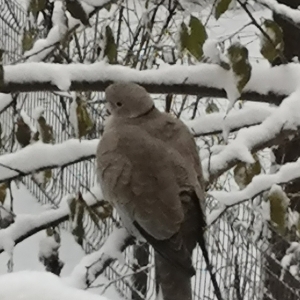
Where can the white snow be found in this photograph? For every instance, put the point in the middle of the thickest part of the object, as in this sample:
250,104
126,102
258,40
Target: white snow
62,23
42,47
26,223
96,3
47,246
286,11
25,255
37,112
285,117
291,260
259,184
45,155
287,77
29,285
214,123
27,120
5,100
88,267
211,51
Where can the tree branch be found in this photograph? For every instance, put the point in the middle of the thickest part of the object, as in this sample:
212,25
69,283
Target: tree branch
40,156
216,123
284,121
206,80
47,156
258,185
288,13
28,225
94,264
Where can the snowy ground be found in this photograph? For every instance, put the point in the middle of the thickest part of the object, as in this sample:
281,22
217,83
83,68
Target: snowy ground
22,286
26,253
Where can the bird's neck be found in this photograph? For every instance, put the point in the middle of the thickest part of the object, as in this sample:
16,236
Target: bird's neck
147,112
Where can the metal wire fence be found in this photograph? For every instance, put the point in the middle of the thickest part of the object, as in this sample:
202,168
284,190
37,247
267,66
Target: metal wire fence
245,267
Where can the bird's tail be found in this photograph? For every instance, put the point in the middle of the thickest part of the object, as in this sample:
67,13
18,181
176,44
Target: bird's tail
202,245
173,284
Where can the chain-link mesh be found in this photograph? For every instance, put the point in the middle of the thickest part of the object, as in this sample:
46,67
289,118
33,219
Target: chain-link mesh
242,258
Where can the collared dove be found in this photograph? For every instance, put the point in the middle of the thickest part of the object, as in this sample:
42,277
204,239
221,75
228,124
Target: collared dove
149,169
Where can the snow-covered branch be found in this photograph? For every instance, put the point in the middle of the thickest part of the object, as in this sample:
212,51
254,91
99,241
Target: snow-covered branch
40,156
61,28
284,121
28,225
258,185
29,285
94,264
201,79
216,123
281,9
48,156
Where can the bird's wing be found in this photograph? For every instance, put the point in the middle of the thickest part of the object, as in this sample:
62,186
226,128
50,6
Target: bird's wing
139,173
176,133
144,179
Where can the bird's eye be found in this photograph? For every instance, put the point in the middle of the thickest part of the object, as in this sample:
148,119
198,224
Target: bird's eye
119,104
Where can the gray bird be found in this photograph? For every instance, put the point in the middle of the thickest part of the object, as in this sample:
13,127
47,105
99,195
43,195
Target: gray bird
149,169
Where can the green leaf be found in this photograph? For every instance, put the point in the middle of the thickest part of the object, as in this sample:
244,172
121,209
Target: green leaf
184,36
197,37
47,176
238,57
77,208
279,208
29,36
211,108
271,49
104,211
23,132
72,206
85,123
110,50
76,10
107,6
3,191
78,229
193,41
221,8
243,173
36,6
45,131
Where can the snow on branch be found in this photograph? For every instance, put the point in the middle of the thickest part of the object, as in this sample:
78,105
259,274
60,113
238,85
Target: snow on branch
258,185
94,264
235,120
28,225
201,79
40,156
36,285
285,120
281,9
47,156
62,26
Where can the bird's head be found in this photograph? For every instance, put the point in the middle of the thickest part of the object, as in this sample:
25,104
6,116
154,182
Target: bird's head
128,100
